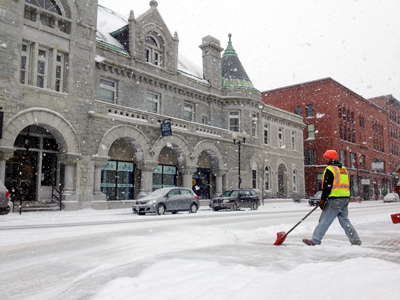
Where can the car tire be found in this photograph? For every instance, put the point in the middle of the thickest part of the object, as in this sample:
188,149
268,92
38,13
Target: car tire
193,208
160,209
215,208
254,206
235,206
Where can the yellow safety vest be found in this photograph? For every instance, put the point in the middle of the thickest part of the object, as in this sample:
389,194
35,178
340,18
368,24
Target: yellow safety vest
341,186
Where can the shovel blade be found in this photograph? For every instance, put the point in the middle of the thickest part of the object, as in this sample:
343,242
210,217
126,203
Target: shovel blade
395,218
281,238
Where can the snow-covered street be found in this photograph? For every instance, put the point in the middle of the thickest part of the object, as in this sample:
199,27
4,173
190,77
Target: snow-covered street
115,254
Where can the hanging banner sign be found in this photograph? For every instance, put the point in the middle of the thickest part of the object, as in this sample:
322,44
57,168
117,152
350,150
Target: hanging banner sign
166,129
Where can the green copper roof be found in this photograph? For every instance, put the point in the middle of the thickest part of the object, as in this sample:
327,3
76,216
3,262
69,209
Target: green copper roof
229,51
233,73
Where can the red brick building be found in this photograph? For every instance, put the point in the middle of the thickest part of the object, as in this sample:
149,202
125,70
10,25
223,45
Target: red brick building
364,132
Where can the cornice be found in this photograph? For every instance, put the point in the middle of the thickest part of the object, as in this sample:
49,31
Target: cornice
180,89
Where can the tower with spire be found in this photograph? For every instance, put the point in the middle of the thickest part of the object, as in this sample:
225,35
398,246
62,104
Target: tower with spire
234,75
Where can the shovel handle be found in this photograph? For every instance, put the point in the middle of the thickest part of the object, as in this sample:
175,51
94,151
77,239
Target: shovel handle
302,219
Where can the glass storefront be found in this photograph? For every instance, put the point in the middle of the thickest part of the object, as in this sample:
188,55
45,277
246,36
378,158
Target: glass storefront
164,176
117,180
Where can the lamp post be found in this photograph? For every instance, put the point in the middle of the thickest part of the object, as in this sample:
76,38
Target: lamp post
235,141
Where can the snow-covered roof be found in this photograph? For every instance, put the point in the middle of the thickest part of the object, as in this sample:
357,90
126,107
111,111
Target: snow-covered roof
109,21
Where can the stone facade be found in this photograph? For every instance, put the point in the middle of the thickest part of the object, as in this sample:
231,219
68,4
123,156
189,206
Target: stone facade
55,86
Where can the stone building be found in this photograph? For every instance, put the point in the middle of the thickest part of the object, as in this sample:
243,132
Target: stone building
364,132
84,93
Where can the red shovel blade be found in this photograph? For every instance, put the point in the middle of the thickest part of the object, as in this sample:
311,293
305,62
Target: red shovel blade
281,238
395,218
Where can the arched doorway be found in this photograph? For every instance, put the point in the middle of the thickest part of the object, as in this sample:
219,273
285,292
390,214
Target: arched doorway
119,176
282,180
166,174
203,181
34,167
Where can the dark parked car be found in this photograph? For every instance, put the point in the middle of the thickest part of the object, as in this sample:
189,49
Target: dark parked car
171,199
235,199
314,200
5,205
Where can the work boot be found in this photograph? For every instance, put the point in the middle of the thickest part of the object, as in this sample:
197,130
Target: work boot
308,242
357,243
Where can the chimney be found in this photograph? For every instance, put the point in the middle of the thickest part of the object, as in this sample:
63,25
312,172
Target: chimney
212,60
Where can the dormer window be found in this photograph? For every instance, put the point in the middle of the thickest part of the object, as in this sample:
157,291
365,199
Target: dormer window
153,50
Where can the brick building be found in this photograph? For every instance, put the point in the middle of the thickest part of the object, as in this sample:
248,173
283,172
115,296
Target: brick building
364,132
84,92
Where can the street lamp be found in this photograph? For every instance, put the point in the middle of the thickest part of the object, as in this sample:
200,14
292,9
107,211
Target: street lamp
234,138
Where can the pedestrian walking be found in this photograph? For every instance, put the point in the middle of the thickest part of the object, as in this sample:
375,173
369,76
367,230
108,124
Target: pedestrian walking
334,201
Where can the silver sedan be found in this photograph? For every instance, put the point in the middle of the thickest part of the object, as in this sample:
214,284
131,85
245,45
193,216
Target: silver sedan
171,199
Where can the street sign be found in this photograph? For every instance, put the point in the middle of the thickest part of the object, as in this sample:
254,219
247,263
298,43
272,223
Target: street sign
166,129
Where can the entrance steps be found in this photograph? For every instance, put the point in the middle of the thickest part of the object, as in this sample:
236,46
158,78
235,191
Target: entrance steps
36,206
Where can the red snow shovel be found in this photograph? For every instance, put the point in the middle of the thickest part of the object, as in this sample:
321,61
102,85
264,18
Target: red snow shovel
395,218
282,235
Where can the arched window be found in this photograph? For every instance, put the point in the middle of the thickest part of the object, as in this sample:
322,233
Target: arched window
153,50
267,179
310,111
348,116
50,5
299,111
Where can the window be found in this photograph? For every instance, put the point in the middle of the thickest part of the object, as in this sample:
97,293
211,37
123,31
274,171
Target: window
204,120
107,91
153,50
42,67
299,111
49,5
309,157
294,140
342,157
234,121
353,161
59,72
153,102
310,111
254,178
187,111
294,181
310,131
267,179
281,138
24,63
254,124
266,134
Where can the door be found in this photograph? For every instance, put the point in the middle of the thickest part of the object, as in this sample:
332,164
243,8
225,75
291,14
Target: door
185,200
21,175
173,199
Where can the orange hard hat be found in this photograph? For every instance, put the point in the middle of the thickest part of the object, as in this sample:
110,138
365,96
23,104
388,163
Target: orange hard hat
332,154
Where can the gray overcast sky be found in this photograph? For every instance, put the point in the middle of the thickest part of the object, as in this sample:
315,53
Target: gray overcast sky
286,42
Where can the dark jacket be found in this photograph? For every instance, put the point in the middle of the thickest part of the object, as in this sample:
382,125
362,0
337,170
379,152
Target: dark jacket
328,180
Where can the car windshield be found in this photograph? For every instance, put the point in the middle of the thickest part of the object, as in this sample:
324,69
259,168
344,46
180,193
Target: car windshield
318,194
230,194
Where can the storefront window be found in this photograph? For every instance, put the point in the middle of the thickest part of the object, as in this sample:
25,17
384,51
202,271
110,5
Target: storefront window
164,176
117,180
